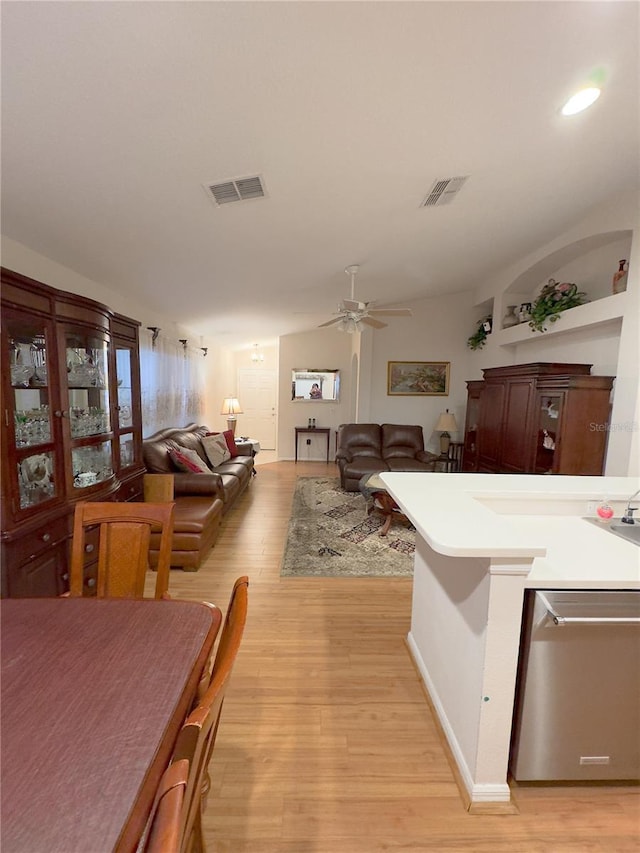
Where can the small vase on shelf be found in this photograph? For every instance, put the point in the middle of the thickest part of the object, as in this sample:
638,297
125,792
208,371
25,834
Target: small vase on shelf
510,318
620,277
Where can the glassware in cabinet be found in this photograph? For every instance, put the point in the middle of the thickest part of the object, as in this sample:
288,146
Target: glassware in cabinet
27,358
87,374
28,411
127,450
92,464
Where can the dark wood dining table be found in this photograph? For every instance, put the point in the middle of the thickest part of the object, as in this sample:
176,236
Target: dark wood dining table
94,692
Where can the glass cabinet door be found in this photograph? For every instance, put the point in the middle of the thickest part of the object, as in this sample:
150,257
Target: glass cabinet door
29,411
88,412
470,450
124,392
549,412
126,395
472,417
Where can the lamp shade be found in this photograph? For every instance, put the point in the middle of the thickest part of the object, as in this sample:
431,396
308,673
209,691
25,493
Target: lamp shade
446,422
231,406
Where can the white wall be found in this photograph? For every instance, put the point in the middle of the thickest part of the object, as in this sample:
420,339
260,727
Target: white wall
323,349
437,331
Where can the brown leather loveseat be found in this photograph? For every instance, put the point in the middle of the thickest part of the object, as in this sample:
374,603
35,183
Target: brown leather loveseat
370,448
201,499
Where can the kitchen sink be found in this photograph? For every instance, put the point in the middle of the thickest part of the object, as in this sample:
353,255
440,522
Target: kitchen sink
630,532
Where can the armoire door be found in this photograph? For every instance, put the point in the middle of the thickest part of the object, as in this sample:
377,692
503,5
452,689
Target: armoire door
517,444
490,426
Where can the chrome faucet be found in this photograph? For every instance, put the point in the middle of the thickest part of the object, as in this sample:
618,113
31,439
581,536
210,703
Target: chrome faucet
628,518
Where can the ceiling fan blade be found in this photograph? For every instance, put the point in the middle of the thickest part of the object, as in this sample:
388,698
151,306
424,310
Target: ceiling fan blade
330,322
369,321
392,312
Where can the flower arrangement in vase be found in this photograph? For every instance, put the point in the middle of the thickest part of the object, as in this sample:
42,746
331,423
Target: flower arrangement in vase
554,298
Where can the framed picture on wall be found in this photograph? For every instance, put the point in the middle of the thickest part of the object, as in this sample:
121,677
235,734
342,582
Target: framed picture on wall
418,378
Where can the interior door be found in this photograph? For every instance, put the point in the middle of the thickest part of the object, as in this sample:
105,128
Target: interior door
257,391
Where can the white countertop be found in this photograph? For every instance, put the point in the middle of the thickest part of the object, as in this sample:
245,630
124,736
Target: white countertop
524,516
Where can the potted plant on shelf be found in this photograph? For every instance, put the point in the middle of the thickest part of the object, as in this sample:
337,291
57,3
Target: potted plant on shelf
479,338
554,298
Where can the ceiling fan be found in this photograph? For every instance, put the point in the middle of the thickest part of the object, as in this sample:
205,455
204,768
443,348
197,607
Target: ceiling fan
353,315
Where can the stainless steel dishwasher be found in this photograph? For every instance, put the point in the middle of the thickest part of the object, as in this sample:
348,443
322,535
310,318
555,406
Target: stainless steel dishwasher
577,710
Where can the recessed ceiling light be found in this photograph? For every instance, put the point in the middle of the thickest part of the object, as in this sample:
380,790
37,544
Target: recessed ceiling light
580,101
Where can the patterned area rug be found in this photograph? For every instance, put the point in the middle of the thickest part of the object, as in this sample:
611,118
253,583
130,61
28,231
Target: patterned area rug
330,534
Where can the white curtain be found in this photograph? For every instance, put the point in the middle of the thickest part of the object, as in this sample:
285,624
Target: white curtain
172,381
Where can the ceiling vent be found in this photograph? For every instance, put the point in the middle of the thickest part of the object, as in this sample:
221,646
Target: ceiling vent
240,189
443,191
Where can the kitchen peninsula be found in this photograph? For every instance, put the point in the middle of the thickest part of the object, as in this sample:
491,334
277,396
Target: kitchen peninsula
482,540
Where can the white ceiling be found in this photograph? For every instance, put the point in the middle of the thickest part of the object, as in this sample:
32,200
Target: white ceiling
115,114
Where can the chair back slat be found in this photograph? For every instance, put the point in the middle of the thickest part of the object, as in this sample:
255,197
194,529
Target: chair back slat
123,560
123,547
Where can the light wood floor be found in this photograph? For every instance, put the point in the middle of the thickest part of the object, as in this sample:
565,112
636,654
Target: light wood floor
326,743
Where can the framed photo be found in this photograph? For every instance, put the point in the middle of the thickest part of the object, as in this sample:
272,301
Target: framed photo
418,378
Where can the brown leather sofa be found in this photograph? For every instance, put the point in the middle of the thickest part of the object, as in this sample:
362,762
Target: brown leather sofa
201,499
371,448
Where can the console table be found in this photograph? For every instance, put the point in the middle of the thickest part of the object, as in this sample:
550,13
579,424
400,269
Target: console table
318,431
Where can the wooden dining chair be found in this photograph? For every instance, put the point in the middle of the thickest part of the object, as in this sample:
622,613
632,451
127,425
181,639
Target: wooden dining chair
198,735
236,612
163,830
123,547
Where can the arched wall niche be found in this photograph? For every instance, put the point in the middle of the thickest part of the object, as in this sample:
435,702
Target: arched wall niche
548,266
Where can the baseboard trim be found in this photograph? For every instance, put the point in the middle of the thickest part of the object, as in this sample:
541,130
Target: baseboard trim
476,799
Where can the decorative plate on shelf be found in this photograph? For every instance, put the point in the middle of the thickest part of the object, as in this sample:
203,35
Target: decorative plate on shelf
36,469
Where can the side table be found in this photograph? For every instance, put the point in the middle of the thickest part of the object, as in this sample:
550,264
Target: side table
378,498
318,430
255,444
452,460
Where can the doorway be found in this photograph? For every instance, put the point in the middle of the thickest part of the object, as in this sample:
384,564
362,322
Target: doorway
257,391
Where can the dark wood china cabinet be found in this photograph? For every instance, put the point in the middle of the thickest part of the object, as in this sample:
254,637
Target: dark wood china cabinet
71,426
539,418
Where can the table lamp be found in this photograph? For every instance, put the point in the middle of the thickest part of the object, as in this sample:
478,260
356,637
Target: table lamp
231,408
446,423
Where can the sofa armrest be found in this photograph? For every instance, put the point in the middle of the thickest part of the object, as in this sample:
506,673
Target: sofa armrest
343,455
426,456
198,484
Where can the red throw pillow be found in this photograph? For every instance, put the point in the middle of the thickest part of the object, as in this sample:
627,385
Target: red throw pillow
231,442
